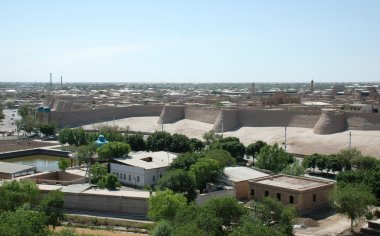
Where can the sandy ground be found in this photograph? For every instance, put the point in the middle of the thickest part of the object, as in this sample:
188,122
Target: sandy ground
299,140
332,225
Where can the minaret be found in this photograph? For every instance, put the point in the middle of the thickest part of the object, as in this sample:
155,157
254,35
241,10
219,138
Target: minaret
253,88
312,86
51,79
61,81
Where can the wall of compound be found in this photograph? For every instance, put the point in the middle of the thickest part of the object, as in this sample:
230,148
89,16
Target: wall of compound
171,114
79,118
363,121
203,114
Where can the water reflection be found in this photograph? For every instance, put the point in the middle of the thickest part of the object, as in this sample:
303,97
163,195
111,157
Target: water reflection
42,162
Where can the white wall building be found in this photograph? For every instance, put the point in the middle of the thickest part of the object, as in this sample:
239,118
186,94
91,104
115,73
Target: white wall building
141,168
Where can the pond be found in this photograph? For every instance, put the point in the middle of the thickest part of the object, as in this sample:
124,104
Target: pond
42,162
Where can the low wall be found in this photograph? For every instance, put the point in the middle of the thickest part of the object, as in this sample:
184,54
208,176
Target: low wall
35,151
85,117
138,207
202,198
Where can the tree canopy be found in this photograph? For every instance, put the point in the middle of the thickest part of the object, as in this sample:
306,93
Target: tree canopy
113,150
164,205
14,194
179,181
205,171
273,158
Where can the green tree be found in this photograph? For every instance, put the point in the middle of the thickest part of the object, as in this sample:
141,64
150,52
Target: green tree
137,142
2,116
113,150
185,160
211,137
24,111
14,194
334,163
196,145
109,181
163,228
23,223
52,206
231,145
97,172
180,143
179,181
322,162
254,149
255,227
273,158
347,155
295,169
159,141
63,135
272,212
365,162
353,201
223,157
112,133
48,128
164,205
205,171
310,161
63,163
85,153
29,124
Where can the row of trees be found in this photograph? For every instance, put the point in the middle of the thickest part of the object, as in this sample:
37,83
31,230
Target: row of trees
218,216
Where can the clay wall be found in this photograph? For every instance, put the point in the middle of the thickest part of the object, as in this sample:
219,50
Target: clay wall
330,122
265,118
79,118
229,118
363,121
203,114
171,114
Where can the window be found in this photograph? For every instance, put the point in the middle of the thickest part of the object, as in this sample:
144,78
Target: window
138,178
279,196
154,178
117,174
266,193
125,177
129,177
291,199
314,197
252,192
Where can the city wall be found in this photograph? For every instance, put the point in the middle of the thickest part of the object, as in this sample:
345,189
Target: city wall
85,117
323,122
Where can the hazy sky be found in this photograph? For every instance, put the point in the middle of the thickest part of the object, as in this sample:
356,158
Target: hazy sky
190,41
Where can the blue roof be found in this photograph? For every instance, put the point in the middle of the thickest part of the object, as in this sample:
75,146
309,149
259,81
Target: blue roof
101,141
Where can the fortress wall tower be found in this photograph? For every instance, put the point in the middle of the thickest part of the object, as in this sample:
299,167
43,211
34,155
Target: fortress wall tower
330,122
227,120
171,114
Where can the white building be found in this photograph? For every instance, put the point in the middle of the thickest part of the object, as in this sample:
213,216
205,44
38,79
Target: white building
141,168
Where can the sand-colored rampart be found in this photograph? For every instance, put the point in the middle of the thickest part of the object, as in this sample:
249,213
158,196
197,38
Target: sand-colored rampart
323,122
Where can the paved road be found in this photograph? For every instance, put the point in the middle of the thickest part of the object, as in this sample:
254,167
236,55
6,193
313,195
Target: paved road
9,122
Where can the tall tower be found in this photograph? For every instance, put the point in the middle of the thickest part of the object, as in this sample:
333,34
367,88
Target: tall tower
61,81
51,79
253,88
312,86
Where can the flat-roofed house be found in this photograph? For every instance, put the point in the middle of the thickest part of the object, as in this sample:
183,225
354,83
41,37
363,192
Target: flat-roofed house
13,170
302,192
142,168
238,178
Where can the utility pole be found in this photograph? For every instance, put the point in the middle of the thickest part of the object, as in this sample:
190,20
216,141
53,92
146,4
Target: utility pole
285,139
349,140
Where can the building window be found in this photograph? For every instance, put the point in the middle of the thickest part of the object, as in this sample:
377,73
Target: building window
117,174
266,193
138,178
291,199
314,197
279,196
154,178
125,177
129,177
252,192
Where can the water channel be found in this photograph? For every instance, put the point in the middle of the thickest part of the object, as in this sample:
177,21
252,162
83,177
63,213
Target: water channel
42,162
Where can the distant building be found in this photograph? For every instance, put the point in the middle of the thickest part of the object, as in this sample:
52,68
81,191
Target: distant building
302,192
275,98
141,168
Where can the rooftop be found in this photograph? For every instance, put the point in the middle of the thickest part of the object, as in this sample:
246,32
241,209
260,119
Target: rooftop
292,182
241,173
148,160
11,168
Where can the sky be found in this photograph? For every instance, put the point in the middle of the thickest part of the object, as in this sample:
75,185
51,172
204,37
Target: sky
190,41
